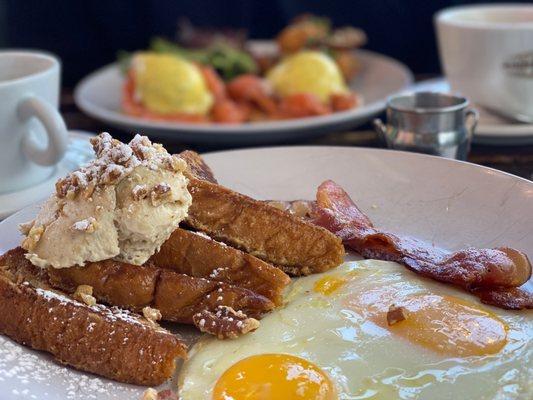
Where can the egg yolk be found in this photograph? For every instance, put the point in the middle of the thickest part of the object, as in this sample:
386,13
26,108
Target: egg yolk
329,284
445,324
307,72
274,376
168,84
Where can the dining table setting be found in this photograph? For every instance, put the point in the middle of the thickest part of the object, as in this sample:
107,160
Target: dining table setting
286,205
516,159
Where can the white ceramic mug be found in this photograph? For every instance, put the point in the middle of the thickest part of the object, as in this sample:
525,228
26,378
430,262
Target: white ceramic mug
33,136
477,44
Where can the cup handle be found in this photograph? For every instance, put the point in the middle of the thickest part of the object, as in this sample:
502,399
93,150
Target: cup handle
34,107
474,115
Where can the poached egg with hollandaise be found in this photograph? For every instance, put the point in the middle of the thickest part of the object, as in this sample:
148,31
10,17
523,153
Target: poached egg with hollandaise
168,84
311,72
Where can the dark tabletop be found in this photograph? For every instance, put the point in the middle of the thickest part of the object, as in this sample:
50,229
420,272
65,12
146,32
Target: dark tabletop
517,160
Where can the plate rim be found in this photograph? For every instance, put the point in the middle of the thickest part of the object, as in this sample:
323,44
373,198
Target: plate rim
376,150
350,148
12,220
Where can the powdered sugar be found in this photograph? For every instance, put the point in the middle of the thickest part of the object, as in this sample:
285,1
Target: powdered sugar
216,273
84,225
28,374
111,313
205,236
114,160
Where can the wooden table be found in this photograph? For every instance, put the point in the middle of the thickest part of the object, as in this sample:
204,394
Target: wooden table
516,160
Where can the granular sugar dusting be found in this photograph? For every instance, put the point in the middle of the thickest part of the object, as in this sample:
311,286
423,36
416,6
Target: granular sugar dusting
28,374
112,313
114,160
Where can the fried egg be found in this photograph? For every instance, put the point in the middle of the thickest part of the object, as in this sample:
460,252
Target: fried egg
167,84
307,72
332,340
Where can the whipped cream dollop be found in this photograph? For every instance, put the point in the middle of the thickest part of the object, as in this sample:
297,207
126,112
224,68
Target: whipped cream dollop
123,205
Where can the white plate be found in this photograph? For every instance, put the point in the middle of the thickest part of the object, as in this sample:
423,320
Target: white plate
451,203
79,151
492,129
99,95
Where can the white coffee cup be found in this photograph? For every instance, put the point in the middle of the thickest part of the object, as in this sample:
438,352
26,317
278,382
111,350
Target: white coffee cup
477,43
33,136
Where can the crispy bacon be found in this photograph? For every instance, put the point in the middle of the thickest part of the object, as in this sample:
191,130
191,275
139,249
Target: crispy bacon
497,276
517,298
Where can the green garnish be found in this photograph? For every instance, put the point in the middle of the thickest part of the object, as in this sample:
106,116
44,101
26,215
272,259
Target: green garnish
228,61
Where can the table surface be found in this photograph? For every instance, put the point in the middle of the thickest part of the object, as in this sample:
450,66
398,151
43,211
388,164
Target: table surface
517,160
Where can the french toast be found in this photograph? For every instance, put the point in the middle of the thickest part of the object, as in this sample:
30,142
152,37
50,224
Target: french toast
177,296
197,255
106,341
197,167
290,243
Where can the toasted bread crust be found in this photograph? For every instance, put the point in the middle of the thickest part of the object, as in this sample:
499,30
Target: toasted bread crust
199,256
115,283
107,342
197,166
295,245
177,296
181,297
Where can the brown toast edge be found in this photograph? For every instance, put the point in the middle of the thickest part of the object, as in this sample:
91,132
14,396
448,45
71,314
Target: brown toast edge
294,245
177,296
109,342
197,255
197,166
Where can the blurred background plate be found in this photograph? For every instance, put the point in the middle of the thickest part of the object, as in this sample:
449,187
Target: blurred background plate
99,95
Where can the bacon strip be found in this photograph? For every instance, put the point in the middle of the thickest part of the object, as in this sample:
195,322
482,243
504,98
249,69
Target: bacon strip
497,276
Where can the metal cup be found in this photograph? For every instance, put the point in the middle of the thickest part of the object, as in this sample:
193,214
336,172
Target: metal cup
428,122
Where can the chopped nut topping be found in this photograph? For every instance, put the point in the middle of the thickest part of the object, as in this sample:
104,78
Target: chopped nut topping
112,174
114,160
152,314
175,163
150,394
141,147
225,322
88,190
139,192
159,193
34,235
396,314
25,227
85,293
87,225
167,394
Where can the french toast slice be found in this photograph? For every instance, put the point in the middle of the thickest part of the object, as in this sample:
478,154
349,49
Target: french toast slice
177,296
197,255
197,167
292,244
109,342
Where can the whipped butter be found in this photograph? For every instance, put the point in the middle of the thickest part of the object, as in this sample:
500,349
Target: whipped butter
123,205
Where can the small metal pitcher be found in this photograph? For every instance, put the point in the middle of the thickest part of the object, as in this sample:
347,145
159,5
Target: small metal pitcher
428,122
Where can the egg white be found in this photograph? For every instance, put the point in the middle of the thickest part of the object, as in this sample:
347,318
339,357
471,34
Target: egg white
364,360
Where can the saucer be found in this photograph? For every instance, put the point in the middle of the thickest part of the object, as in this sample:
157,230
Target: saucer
79,152
491,129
